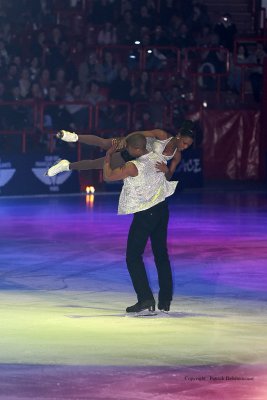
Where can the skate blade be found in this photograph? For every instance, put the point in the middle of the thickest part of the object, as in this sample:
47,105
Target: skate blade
144,313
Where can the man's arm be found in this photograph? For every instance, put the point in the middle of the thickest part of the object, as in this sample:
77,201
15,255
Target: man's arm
169,171
129,169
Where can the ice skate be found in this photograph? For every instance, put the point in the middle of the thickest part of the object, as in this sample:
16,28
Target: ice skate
59,166
164,306
67,136
144,308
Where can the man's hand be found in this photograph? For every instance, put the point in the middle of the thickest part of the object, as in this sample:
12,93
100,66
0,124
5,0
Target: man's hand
111,151
162,167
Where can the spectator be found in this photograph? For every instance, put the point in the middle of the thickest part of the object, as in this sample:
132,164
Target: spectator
55,115
3,52
157,108
126,5
159,37
90,70
90,35
3,68
127,29
235,73
174,27
145,36
94,96
112,116
184,38
226,31
152,10
174,95
61,83
107,35
167,10
144,18
256,75
6,33
2,92
17,115
12,76
39,45
204,38
143,121
57,52
78,26
110,68
18,62
198,19
141,88
34,68
121,86
77,54
24,83
78,112
45,82
36,92
213,62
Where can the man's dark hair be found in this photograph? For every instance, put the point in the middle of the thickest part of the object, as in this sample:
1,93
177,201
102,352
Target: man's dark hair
137,140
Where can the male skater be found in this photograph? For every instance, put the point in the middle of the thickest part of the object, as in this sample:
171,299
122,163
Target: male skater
143,194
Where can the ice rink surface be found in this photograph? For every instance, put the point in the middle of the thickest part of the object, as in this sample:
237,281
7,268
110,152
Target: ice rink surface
64,288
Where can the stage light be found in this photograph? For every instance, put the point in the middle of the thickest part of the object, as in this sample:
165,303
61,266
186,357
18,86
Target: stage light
90,189
137,42
205,104
149,51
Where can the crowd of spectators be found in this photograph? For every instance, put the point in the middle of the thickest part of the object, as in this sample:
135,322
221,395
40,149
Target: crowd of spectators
49,51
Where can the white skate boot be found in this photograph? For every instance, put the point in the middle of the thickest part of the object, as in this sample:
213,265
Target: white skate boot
59,166
67,136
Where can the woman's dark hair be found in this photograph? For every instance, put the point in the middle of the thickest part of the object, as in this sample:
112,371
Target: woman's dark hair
187,129
184,128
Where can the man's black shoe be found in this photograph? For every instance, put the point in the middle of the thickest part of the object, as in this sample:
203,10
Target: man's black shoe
146,305
164,306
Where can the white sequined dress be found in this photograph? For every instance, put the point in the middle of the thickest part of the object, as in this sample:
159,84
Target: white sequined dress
158,147
148,188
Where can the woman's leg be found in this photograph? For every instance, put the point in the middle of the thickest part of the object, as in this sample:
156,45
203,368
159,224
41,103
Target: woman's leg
116,160
98,163
93,140
85,165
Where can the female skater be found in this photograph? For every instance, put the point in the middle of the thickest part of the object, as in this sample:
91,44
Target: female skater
159,141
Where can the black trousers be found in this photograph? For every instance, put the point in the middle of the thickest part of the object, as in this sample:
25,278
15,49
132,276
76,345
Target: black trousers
153,224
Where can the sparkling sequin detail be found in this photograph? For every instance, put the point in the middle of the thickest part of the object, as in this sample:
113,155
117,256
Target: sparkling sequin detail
119,142
146,189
